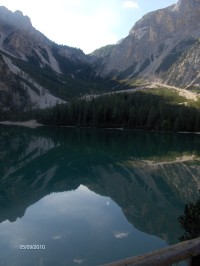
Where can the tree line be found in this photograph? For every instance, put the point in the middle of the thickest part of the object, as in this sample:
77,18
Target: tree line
139,110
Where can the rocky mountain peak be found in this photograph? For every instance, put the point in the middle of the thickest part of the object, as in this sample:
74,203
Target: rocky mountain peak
155,42
180,17
189,9
15,19
21,19
184,4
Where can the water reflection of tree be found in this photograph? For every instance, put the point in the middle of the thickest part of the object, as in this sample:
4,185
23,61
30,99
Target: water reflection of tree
190,222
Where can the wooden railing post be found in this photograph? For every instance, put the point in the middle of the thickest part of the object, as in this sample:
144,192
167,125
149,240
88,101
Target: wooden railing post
195,261
189,249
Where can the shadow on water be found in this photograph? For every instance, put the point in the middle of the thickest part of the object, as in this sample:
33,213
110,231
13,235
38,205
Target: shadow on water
151,176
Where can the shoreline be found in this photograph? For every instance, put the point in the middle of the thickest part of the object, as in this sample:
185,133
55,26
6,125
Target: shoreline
29,123
34,124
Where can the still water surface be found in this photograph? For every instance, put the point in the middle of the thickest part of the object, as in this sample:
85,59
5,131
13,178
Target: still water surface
92,196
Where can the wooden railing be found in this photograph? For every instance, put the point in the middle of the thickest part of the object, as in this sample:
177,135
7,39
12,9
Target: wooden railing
164,257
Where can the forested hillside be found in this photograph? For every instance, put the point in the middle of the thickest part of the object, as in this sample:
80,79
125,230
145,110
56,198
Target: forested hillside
159,109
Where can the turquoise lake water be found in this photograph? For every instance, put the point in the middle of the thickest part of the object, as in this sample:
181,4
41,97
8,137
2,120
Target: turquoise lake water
89,197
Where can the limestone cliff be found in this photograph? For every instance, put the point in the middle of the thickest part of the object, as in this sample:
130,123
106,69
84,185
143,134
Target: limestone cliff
162,40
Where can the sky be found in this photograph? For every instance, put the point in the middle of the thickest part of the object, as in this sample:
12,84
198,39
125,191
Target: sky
85,24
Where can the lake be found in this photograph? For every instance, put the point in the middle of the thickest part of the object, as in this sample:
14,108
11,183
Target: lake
87,197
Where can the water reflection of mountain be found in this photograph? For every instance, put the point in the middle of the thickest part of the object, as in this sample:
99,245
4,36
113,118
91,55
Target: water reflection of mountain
149,175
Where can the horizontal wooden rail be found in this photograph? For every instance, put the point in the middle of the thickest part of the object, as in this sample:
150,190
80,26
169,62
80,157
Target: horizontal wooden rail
164,257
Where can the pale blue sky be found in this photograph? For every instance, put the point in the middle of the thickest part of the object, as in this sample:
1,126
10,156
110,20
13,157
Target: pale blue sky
86,24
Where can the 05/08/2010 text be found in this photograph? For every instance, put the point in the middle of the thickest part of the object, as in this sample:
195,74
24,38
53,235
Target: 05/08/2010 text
30,247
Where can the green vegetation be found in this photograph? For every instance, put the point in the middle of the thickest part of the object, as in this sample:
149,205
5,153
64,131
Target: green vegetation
190,221
168,61
139,110
44,53
137,82
171,96
129,71
77,78
151,109
195,89
147,110
175,54
103,51
161,48
144,65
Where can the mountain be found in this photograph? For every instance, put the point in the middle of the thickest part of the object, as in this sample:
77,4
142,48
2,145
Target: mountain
35,72
164,45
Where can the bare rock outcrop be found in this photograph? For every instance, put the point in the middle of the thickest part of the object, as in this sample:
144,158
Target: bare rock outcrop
156,44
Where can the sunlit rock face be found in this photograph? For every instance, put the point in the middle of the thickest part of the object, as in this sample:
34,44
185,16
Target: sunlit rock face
155,43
